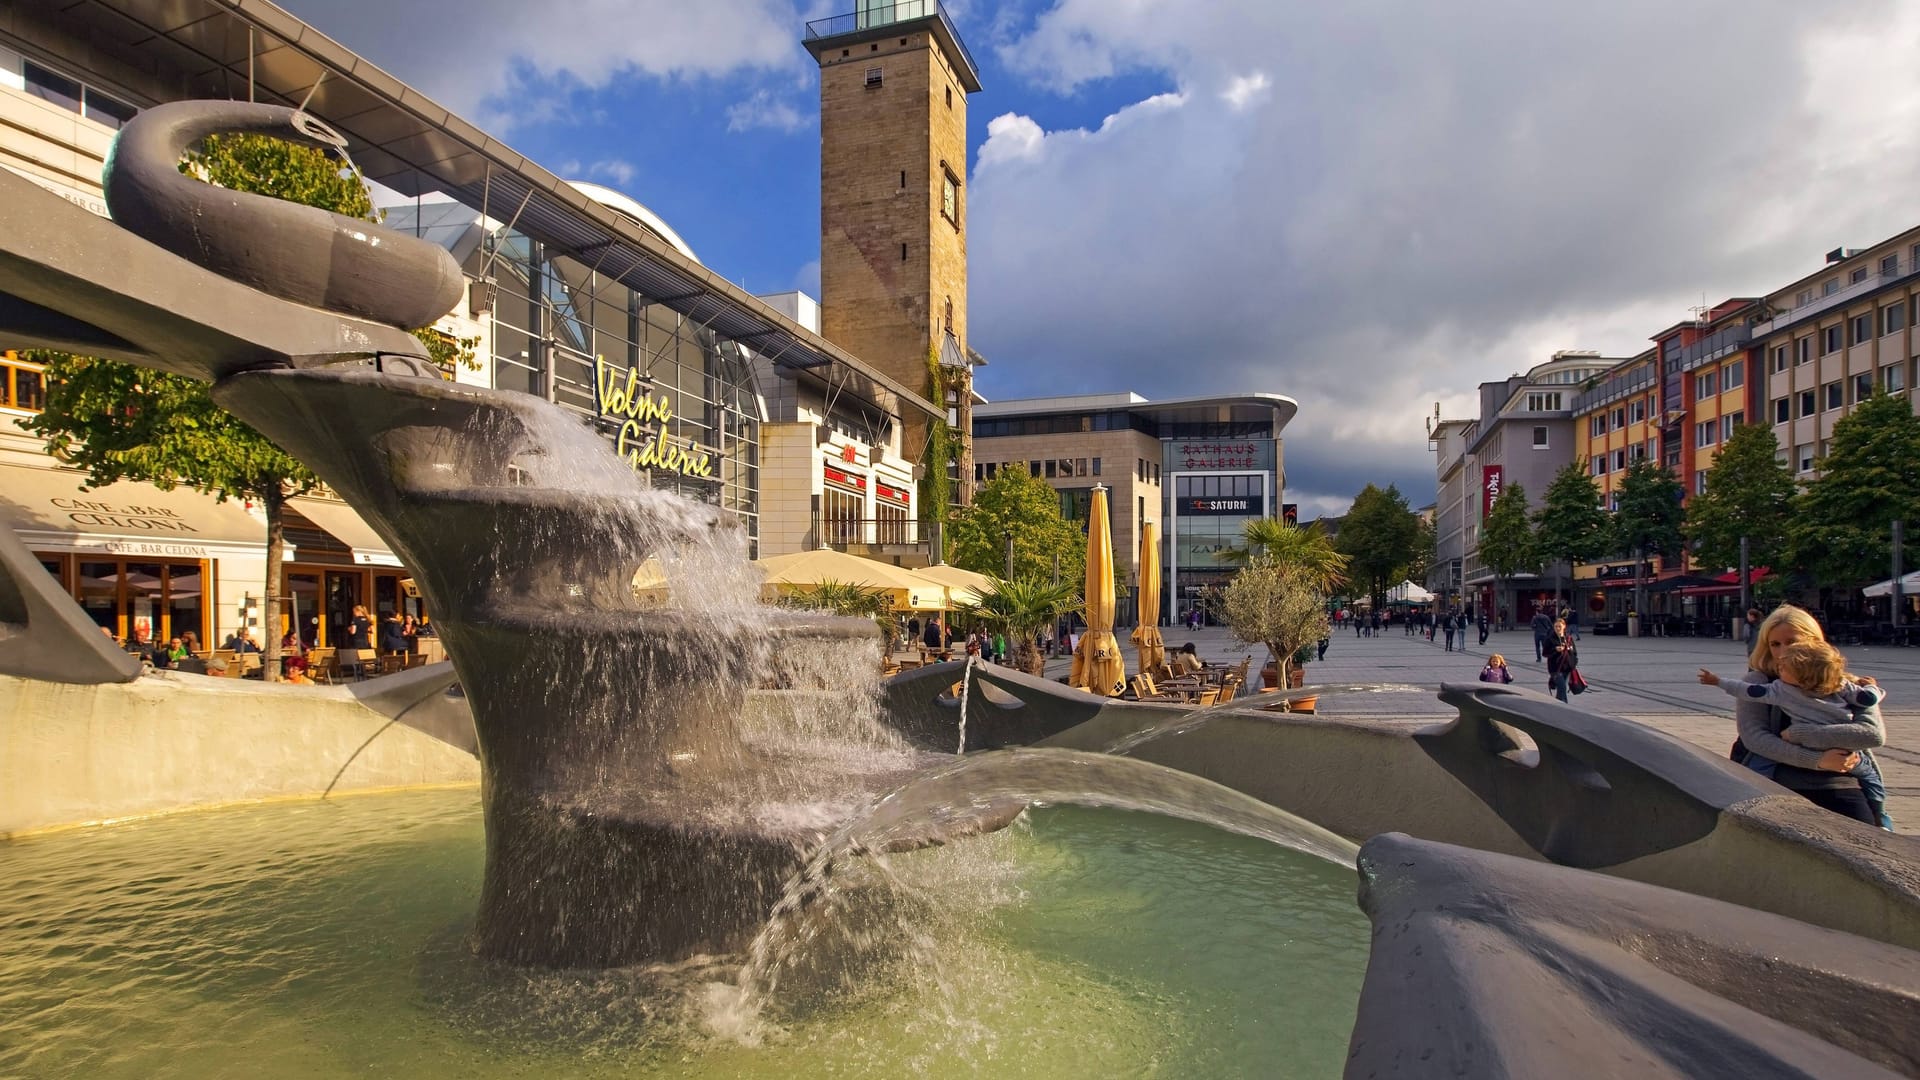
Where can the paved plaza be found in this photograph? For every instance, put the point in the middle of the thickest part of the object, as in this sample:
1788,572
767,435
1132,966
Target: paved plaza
1649,680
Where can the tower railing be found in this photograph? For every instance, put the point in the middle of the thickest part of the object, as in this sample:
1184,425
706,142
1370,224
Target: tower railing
870,16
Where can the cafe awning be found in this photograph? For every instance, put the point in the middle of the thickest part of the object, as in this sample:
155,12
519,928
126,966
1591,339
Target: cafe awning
341,523
48,509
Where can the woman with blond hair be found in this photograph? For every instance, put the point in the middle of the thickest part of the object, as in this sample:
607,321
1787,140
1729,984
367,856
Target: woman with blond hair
1819,776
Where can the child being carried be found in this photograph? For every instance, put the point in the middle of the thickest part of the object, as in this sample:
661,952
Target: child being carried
1827,709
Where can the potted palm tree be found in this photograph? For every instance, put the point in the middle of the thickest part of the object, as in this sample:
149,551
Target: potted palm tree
1278,599
1023,608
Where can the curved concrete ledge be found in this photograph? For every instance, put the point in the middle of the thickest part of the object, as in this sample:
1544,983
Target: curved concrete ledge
1488,966
79,754
1517,773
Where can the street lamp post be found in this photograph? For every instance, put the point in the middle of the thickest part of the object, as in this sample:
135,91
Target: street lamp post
1009,555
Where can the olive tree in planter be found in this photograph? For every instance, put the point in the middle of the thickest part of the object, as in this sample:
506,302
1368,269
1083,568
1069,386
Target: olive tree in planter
1279,605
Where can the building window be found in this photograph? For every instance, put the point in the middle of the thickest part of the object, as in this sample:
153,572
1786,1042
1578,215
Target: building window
1859,275
1619,460
949,197
1734,375
1862,387
1890,265
1596,426
1862,328
840,514
1597,465
949,97
1830,339
1779,358
1703,434
1052,469
1637,412
1619,418
1804,455
874,76
1782,410
1096,466
1804,298
1835,399
1730,422
1893,319
1808,404
71,95
1803,351
1705,385
1893,378
1700,482
1543,402
1830,286
1539,438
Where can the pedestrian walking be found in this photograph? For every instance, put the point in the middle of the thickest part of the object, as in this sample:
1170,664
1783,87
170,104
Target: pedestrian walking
1448,626
1542,630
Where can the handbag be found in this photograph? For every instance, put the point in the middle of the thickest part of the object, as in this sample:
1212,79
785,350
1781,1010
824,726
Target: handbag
1576,682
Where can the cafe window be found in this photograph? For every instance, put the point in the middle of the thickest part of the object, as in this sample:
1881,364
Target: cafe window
145,602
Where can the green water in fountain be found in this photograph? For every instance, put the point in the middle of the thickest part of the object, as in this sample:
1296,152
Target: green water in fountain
325,939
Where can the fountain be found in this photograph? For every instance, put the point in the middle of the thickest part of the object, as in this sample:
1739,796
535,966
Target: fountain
636,819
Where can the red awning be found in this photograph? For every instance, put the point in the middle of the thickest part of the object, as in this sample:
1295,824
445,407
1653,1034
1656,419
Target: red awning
1732,577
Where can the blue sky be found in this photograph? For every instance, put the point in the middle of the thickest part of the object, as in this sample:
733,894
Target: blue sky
1369,207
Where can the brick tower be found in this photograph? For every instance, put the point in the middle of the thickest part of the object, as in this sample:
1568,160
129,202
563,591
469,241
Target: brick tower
894,81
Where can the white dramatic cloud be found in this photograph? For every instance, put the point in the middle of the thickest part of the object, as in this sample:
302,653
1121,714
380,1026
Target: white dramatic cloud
1373,207
764,110
494,54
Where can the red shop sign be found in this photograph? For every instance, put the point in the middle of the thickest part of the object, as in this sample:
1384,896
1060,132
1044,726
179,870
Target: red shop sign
833,475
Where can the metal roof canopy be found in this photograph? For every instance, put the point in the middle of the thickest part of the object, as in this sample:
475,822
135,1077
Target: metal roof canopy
407,142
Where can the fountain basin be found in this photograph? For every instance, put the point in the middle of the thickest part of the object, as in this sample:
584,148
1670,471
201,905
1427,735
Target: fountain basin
322,939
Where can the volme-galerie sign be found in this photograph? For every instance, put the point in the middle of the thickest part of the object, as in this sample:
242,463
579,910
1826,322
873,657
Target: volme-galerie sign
629,401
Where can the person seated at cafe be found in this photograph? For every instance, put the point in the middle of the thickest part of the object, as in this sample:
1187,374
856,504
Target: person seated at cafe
1190,656
241,641
293,660
392,634
424,628
410,631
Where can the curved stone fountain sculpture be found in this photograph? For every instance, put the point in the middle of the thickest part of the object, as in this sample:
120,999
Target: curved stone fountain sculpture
614,778
614,774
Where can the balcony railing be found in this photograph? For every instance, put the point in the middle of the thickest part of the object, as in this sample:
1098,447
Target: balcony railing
841,533
871,16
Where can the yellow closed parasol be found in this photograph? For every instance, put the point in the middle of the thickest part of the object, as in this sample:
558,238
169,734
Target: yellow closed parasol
1097,664
1146,636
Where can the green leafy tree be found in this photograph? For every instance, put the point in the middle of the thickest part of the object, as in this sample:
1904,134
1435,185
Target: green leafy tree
1022,609
1749,494
1426,547
1507,542
121,422
1017,504
1648,520
1379,536
1841,527
1570,525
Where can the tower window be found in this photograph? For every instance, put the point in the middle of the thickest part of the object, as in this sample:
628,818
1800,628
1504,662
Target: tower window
949,197
949,314
873,77
903,178
949,97
903,253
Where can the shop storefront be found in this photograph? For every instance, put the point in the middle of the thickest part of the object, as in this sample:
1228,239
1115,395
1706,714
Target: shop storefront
146,564
339,563
1216,486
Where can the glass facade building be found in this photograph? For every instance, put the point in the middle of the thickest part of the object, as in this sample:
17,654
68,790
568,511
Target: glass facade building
554,318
